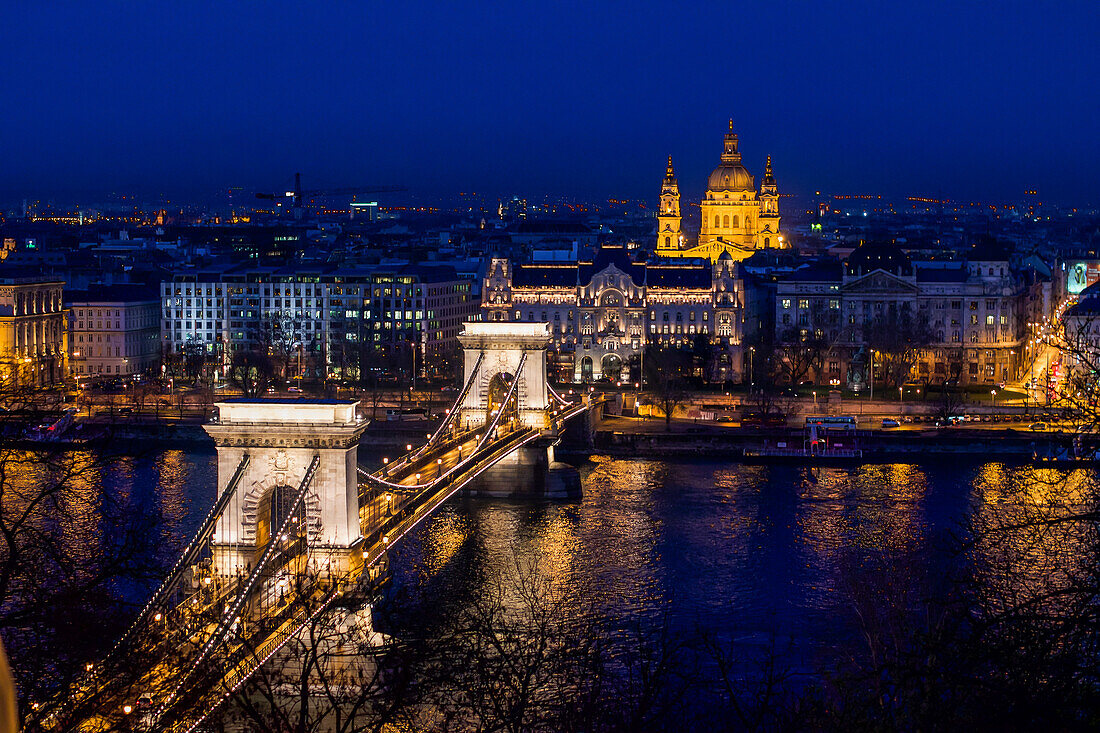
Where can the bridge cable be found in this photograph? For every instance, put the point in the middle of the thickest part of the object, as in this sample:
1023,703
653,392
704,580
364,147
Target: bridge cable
461,396
234,608
182,564
557,396
514,442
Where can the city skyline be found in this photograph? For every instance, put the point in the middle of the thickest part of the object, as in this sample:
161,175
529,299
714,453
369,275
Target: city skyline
938,101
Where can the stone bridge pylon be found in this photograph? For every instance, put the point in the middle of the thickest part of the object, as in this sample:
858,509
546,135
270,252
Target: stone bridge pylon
500,353
265,451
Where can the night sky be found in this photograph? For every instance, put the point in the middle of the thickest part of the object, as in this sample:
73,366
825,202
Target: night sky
971,101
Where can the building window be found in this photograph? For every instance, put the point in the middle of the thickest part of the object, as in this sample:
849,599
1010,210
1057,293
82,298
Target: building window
803,303
786,302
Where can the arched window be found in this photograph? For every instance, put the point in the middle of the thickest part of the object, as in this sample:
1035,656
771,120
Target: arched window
716,224
735,221
767,241
668,241
726,221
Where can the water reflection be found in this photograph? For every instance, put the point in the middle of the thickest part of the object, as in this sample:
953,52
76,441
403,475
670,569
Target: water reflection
812,557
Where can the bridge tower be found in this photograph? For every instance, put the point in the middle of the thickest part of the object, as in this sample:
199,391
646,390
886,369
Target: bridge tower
498,354
506,351
274,446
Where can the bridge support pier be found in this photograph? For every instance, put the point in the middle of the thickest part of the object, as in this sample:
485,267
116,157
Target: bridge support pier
529,472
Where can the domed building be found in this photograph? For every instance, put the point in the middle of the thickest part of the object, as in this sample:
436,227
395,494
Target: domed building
736,220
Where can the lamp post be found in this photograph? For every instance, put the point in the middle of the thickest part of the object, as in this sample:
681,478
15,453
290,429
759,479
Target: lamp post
752,374
993,395
900,398
871,377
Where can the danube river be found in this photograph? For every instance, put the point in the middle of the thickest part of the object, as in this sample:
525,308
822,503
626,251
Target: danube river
779,557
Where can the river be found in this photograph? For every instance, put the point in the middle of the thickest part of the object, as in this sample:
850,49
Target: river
780,557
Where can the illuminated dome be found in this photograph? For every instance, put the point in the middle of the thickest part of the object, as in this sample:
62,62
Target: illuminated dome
730,175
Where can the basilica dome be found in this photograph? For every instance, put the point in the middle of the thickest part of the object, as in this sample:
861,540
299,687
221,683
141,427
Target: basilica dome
730,177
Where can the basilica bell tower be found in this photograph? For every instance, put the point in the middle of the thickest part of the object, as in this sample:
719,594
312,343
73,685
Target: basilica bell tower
669,236
767,234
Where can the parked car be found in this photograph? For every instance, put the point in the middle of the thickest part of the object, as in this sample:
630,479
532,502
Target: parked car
1037,426
889,422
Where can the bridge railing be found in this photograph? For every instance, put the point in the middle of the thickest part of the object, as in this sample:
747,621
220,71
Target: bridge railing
424,504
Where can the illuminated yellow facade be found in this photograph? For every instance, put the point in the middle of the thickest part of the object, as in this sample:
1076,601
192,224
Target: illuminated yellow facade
735,217
33,336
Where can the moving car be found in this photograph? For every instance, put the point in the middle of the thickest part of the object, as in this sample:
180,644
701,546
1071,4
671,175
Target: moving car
889,422
1037,426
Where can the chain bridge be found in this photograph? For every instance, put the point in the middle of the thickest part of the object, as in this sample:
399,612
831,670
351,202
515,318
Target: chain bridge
298,527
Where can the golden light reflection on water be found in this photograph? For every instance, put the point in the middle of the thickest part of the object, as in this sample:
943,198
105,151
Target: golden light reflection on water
173,475
1030,538
445,536
59,493
563,547
857,525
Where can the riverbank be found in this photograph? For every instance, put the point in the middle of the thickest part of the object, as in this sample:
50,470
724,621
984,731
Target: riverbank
622,437
628,437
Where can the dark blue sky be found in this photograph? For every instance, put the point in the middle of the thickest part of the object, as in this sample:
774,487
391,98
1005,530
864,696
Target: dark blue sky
957,99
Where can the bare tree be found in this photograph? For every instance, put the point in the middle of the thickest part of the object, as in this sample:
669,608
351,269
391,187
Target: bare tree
665,370
251,372
899,336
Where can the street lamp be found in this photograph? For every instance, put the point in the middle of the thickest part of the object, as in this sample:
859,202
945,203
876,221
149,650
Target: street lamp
993,393
900,394
871,377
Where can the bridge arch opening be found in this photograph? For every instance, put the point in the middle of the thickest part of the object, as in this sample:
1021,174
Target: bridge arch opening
499,386
276,504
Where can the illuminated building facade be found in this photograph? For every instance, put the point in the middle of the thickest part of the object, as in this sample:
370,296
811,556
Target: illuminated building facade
33,337
325,316
114,330
603,312
973,312
736,219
